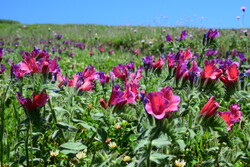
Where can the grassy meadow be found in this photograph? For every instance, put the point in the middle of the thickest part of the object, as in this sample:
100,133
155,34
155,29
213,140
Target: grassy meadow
94,95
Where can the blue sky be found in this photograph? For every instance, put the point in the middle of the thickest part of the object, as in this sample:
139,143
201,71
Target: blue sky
210,14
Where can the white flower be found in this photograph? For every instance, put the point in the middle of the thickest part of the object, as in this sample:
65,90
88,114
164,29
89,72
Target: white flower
180,163
81,155
54,153
112,145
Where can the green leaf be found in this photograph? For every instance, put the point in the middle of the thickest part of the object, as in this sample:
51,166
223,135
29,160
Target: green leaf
77,146
181,144
83,124
59,109
141,144
157,157
67,127
55,134
86,126
160,142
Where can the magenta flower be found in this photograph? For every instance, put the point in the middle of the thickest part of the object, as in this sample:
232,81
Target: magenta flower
120,98
1,53
103,78
161,103
29,65
184,35
169,38
213,34
137,52
38,100
243,8
91,53
232,116
158,64
234,52
116,97
211,52
180,69
111,51
90,73
120,71
15,69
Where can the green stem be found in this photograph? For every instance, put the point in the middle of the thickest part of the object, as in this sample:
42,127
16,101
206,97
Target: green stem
149,152
217,156
93,157
2,124
27,144
55,119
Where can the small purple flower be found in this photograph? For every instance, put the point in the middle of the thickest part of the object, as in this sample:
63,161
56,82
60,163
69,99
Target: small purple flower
53,49
147,61
9,49
103,78
130,66
16,44
2,43
213,34
234,52
184,35
72,54
59,37
211,52
169,38
242,57
1,53
2,69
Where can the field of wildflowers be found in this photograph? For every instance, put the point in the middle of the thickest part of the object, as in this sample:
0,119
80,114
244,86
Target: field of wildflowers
89,95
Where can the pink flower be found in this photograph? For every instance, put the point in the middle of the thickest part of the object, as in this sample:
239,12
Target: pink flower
232,116
161,103
210,70
210,108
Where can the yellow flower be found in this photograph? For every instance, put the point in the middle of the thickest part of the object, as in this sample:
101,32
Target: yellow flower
118,126
81,155
127,159
112,145
90,106
54,153
180,163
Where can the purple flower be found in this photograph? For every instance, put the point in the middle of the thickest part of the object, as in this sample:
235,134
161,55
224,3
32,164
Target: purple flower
242,57
53,49
213,34
147,61
184,34
103,78
1,53
130,66
59,36
72,54
211,52
2,69
169,38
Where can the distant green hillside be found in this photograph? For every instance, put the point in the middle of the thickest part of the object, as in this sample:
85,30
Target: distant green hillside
2,21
